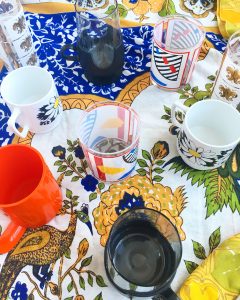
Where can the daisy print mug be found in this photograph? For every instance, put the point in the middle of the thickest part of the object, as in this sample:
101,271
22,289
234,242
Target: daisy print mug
208,134
32,97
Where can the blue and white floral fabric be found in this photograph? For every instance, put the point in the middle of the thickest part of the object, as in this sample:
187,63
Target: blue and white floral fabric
161,180
51,32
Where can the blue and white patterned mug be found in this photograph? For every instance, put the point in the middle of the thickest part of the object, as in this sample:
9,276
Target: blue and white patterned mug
208,134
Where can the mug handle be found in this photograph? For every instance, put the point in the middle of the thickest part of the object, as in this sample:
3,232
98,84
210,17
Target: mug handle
12,121
10,237
167,295
175,106
68,57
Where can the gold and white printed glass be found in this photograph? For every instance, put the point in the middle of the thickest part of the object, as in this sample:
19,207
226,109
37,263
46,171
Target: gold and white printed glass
227,84
16,44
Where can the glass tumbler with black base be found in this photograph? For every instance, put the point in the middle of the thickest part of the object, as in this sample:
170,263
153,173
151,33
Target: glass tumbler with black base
142,254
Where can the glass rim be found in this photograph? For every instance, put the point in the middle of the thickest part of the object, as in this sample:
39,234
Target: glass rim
8,78
210,101
234,34
98,17
16,7
180,16
190,20
229,46
117,153
154,288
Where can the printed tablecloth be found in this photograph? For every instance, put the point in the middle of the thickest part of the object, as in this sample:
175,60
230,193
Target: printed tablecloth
204,205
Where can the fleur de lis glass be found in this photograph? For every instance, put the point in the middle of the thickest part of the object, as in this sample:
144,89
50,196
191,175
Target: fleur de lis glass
16,44
227,84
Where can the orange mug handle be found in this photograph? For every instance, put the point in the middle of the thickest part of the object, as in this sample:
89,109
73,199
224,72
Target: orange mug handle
10,237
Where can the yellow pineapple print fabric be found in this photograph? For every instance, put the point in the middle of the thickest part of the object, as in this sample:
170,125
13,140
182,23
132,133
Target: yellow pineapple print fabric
218,277
154,195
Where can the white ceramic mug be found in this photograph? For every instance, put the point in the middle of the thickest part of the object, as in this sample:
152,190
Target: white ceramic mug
208,134
32,97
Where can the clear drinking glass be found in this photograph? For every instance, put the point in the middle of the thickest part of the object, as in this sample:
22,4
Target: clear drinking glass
142,254
109,136
99,46
177,41
16,44
227,83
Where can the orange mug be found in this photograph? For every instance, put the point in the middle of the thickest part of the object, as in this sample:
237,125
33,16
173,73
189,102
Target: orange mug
29,194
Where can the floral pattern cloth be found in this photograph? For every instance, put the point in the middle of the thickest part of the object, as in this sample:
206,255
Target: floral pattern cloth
194,201
148,11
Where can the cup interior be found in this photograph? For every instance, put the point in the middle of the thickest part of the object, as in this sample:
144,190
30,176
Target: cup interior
9,8
214,122
144,249
109,128
20,173
178,33
26,85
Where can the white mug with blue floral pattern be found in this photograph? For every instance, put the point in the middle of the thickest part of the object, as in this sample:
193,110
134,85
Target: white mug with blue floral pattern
32,97
208,134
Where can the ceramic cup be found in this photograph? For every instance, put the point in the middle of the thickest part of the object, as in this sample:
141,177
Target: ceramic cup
209,133
32,97
29,194
177,42
109,136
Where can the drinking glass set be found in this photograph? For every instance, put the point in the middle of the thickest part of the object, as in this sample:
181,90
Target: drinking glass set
144,249
16,44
